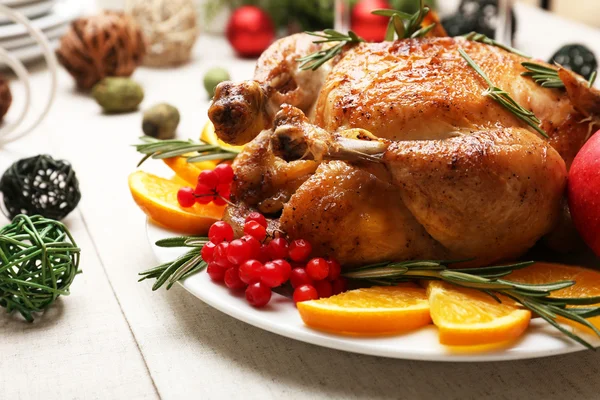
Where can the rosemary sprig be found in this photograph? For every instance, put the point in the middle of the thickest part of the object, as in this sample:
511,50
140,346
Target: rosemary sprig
405,25
548,77
504,98
481,38
161,149
592,79
402,24
186,265
489,280
542,75
315,60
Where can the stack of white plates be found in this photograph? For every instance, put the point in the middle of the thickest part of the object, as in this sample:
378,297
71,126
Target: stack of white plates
51,16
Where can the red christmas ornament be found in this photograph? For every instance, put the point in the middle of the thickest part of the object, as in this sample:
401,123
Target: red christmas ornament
250,31
366,25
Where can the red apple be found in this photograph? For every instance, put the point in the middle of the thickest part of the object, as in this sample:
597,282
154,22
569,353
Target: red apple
366,25
584,192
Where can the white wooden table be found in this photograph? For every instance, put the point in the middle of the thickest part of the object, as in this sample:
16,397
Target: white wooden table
114,338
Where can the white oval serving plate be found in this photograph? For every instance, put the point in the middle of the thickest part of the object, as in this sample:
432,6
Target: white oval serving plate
281,317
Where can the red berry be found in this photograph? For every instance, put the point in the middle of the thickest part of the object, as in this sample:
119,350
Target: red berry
220,231
258,217
255,246
263,255
299,277
285,269
203,190
216,272
232,279
305,293
256,230
335,269
324,289
278,248
258,294
203,199
251,271
340,285
275,273
220,255
218,200
224,190
208,251
300,250
203,194
185,197
239,251
224,172
209,178
317,269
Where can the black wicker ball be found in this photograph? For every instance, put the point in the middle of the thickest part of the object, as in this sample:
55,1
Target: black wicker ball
40,185
577,58
476,16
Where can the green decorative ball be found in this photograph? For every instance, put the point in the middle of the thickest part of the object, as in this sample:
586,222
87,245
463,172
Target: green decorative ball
118,95
213,77
40,259
161,121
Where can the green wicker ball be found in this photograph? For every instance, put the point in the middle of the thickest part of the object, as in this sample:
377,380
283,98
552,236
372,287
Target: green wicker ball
38,261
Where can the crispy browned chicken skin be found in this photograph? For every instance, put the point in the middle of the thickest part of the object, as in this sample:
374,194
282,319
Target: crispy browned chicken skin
391,151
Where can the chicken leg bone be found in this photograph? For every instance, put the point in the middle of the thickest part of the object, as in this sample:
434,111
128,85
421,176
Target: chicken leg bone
296,138
241,110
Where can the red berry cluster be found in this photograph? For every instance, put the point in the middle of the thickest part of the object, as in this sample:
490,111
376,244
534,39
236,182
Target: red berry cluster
213,185
248,263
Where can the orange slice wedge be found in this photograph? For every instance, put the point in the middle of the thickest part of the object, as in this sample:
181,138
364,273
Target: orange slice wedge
587,282
157,197
373,311
188,171
468,317
209,136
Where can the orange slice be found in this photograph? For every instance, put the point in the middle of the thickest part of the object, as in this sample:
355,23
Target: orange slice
209,136
467,317
188,171
157,197
373,311
587,281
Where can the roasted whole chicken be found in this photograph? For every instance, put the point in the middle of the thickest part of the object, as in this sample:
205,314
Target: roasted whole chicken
391,151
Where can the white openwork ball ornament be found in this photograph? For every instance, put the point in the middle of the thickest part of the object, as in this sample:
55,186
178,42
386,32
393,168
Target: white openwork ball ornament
170,28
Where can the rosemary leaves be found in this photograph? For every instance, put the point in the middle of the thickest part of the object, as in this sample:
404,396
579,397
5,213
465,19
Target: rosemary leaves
481,38
315,60
542,75
405,25
504,99
186,265
548,77
402,24
193,151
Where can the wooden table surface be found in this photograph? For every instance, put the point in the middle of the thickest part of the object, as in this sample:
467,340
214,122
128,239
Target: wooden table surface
114,338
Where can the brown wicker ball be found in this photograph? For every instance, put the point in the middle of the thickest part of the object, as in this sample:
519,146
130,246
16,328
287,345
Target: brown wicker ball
108,44
5,97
